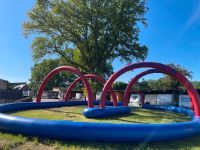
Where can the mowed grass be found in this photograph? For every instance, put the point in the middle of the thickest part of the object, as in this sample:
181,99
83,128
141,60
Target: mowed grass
137,115
20,142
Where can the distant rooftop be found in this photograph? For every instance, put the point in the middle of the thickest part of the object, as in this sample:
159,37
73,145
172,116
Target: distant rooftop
3,80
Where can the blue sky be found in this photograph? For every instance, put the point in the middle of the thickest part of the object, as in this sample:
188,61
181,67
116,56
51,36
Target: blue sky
172,36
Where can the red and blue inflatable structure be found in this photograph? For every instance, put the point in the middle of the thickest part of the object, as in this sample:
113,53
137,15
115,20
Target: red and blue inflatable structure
104,132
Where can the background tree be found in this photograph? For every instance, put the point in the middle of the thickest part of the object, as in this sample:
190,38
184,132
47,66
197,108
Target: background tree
88,34
165,83
40,70
119,85
168,82
196,84
141,85
154,84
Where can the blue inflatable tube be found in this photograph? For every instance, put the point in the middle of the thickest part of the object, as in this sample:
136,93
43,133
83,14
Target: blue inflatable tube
105,112
180,110
86,131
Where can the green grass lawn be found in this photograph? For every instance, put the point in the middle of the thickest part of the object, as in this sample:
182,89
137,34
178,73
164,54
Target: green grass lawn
19,142
75,114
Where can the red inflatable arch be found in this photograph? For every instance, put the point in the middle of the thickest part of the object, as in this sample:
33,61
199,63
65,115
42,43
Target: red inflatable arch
141,97
93,76
162,68
66,68
134,80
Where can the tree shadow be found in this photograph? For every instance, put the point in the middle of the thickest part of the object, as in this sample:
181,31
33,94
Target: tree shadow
186,143
63,112
143,114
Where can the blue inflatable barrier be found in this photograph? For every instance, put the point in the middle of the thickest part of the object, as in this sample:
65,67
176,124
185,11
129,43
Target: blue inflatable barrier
88,131
105,112
171,109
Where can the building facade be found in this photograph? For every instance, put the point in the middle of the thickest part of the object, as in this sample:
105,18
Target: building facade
3,84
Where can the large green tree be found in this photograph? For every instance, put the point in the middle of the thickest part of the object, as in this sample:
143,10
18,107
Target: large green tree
89,34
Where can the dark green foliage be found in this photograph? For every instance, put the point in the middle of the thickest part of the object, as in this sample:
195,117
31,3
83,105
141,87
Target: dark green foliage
89,34
40,70
119,85
166,82
196,84
169,82
142,85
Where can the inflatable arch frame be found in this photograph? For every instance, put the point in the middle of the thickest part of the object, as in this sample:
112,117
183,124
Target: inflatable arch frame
162,68
141,97
72,70
135,79
90,76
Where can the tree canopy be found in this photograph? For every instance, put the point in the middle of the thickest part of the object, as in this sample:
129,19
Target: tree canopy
169,82
40,70
165,83
119,85
89,34
196,84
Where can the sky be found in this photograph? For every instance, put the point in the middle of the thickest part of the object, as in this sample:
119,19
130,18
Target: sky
172,36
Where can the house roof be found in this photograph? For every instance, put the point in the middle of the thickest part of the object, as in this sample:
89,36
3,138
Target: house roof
21,87
3,80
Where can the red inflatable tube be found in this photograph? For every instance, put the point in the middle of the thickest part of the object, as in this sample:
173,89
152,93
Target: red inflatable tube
135,79
70,69
91,76
162,68
141,97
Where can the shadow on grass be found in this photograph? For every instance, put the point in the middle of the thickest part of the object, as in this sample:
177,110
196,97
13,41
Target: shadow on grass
63,112
148,115
182,144
187,143
137,115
